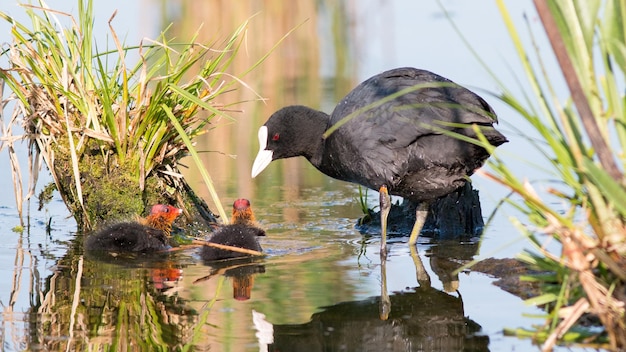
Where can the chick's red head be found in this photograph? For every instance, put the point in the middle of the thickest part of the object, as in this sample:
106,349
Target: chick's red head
241,204
242,213
167,212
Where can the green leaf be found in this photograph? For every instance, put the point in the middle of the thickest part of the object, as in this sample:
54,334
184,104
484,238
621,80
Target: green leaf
196,159
541,300
610,189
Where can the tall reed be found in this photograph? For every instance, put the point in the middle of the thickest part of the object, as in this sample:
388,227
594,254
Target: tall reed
581,141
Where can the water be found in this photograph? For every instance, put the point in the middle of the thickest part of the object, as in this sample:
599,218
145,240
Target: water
322,279
317,266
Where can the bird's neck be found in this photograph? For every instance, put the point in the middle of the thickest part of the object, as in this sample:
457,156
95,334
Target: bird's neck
158,222
244,217
317,124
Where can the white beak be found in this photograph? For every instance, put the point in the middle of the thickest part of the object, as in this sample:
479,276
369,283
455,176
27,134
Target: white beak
264,157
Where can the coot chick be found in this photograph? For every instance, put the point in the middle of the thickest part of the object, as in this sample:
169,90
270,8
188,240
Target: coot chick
393,139
145,235
242,233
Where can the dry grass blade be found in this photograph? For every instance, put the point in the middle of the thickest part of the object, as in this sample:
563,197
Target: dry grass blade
229,248
201,243
7,141
570,315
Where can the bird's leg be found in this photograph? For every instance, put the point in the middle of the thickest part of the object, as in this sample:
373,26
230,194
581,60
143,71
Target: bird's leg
385,206
385,302
420,272
421,212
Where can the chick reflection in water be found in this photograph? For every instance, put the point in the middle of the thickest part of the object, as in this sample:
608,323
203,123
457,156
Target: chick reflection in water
240,271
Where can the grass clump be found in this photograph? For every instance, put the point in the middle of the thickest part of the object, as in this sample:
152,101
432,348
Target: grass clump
582,140
111,132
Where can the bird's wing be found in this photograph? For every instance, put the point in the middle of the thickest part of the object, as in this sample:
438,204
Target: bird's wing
399,106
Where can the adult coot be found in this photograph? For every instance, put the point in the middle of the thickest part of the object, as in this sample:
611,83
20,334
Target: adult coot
242,232
145,235
394,138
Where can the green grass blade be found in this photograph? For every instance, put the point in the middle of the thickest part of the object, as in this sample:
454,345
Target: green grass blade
205,174
611,190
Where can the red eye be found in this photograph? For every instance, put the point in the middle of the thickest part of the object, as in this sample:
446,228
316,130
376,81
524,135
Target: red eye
275,137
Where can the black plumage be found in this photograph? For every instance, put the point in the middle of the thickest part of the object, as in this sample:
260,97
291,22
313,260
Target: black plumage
235,235
127,237
149,234
394,141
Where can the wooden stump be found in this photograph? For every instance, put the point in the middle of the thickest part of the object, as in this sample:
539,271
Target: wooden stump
455,216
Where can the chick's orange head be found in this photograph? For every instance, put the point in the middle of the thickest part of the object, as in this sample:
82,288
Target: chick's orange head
167,212
242,213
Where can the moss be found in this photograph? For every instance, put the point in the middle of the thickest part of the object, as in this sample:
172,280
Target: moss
111,192
45,196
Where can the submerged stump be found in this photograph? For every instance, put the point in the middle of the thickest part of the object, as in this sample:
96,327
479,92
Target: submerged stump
457,215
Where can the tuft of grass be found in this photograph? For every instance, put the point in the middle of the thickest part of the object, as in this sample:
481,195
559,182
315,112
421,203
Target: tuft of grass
93,114
581,142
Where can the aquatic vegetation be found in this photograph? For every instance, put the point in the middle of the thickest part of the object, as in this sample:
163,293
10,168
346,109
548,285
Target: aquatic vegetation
581,140
112,132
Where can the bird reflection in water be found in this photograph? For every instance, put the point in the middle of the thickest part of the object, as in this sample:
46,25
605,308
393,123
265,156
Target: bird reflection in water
422,318
241,271
165,279
452,230
417,319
